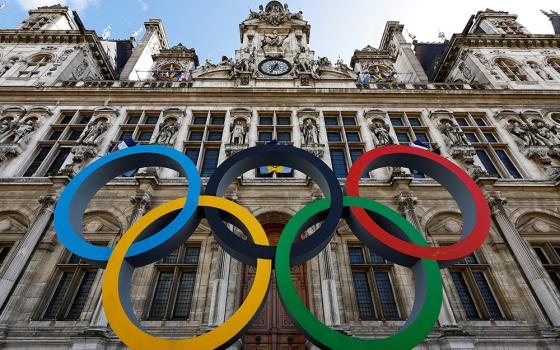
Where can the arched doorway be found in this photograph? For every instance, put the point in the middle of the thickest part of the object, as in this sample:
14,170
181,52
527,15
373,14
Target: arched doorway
273,329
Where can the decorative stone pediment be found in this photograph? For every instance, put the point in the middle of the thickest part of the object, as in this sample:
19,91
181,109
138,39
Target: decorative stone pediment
445,224
99,223
12,223
538,224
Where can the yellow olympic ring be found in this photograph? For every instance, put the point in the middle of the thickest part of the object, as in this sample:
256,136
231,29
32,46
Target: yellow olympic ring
129,331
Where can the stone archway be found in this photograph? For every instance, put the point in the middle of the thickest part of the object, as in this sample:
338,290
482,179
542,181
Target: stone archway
273,329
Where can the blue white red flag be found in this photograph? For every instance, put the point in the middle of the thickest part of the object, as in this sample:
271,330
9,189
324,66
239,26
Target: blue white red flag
122,145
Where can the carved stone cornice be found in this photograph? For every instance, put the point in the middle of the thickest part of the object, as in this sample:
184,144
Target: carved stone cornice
458,42
141,201
497,202
406,201
47,202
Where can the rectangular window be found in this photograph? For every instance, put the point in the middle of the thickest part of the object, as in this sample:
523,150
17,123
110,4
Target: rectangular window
265,136
218,120
195,136
471,136
214,136
512,170
193,153
349,121
34,166
331,121
422,137
74,134
363,296
386,296
490,137
55,135
126,135
353,137
152,120
265,120
57,299
85,120
199,120
397,122
356,255
145,136
403,137
133,120
210,162
334,137
549,257
480,122
66,119
58,161
487,163
465,296
339,163
174,287
284,137
462,121
283,121
487,295
414,121
81,296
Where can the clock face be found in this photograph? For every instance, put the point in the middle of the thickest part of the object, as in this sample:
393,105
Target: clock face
275,67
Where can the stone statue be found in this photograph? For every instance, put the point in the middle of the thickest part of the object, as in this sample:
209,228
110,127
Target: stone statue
381,133
5,128
167,131
324,62
340,65
310,133
238,133
92,133
303,63
522,131
454,134
546,134
23,129
246,62
273,40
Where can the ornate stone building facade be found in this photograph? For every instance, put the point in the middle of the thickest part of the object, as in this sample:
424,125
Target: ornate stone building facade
489,98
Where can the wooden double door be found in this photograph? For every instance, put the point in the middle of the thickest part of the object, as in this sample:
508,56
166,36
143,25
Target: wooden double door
273,329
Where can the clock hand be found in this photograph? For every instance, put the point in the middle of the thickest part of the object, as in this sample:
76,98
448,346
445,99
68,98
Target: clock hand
275,66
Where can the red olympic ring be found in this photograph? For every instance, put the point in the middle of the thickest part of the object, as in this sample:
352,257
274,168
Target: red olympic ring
395,156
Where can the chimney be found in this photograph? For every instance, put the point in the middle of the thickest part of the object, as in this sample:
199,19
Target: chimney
554,19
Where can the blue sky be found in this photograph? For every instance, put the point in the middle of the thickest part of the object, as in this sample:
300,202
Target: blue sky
337,27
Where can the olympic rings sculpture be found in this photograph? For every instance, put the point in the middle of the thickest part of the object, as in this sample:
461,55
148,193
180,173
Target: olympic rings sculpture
165,228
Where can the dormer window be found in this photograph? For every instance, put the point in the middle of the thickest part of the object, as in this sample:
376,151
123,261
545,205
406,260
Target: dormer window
511,69
555,63
35,65
171,72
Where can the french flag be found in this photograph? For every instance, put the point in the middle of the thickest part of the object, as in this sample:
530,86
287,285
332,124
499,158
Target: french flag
122,145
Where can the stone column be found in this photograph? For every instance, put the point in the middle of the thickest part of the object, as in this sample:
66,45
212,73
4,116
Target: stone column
218,300
141,204
328,287
25,248
528,263
407,202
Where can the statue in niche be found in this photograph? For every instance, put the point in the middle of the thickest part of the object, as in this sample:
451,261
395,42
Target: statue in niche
93,132
454,133
522,131
238,133
381,132
310,132
546,134
23,129
167,131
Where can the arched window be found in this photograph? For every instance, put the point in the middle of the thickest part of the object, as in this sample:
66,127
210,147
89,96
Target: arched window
555,63
511,69
35,65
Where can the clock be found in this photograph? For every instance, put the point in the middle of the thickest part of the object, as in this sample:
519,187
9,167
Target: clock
275,67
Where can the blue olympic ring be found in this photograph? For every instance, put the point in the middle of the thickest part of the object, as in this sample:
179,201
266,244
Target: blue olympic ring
74,199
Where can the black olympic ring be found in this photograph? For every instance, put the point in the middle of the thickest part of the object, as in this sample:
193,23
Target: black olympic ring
254,157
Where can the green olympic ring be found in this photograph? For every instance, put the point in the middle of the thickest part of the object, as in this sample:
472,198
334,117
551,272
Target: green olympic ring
427,280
